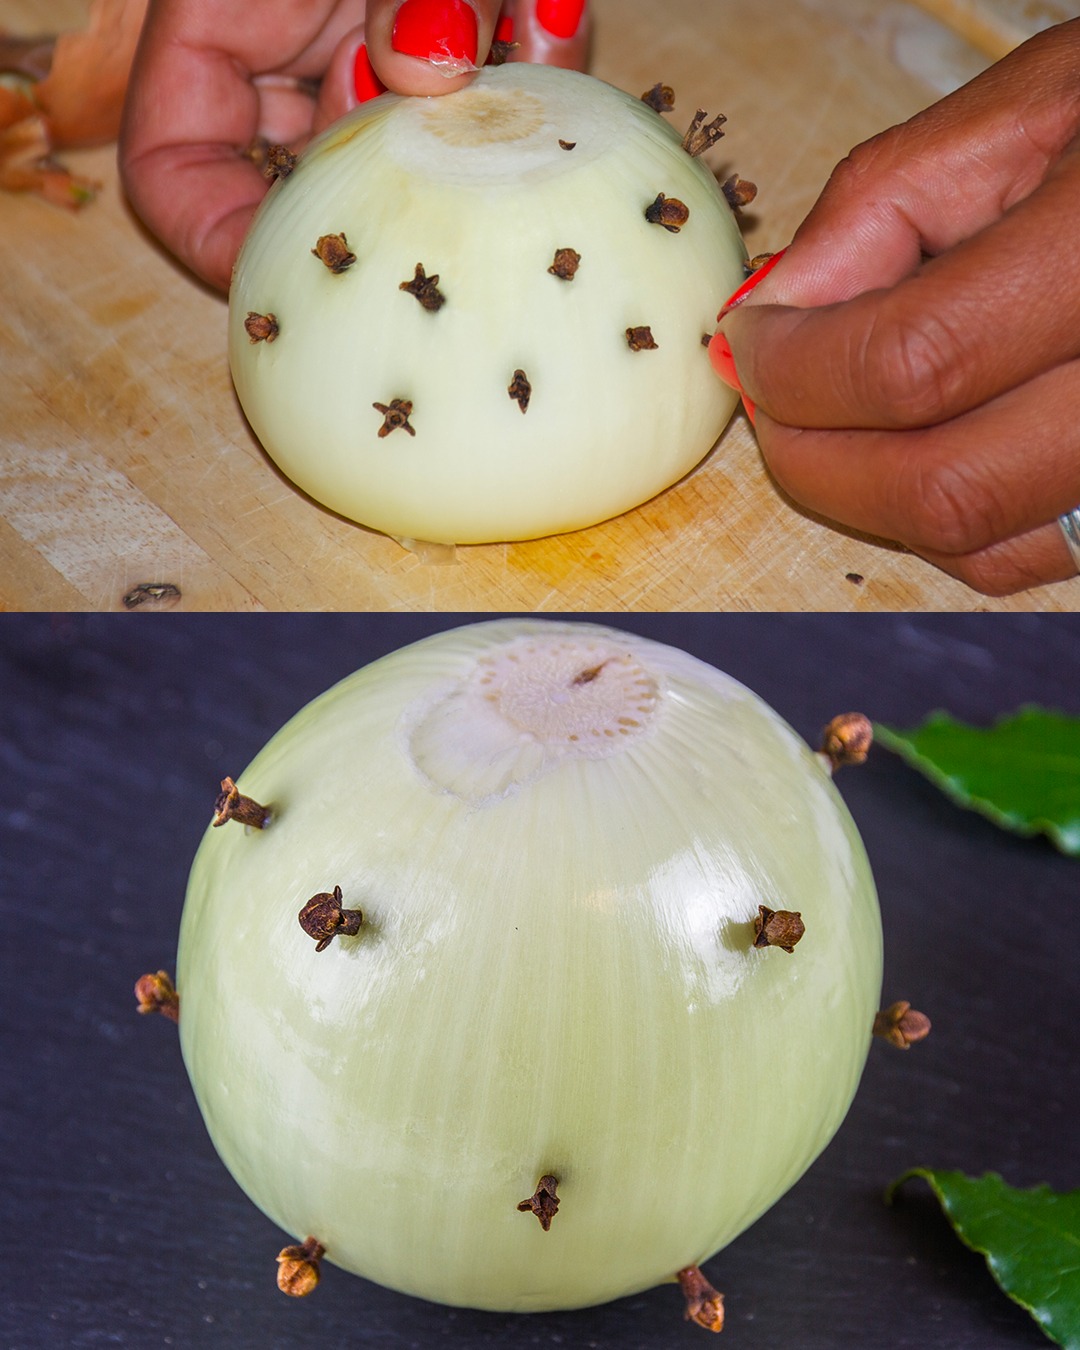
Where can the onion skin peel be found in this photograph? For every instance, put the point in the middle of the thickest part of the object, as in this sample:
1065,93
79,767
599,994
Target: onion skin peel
560,837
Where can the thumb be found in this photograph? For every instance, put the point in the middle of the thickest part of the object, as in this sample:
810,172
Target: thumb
409,46
435,46
429,46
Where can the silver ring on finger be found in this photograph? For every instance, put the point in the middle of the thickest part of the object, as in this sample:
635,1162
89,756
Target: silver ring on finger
1070,528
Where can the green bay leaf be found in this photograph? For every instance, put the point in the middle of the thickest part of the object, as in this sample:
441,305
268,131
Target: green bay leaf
1030,1238
1023,772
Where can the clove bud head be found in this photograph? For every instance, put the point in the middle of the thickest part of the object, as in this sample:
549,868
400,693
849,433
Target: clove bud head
901,1025
323,918
847,740
157,993
298,1267
544,1202
778,928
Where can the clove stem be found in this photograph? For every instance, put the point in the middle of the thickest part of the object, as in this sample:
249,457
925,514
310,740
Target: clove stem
544,1202
704,1304
700,135
231,804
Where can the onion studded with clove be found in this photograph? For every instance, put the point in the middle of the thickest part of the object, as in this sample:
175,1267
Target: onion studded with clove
479,317
544,860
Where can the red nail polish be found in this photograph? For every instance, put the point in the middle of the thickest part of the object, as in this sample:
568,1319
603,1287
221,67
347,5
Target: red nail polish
561,18
440,31
750,282
366,83
751,410
722,360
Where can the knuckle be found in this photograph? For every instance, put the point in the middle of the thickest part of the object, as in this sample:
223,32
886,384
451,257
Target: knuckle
860,163
995,572
949,508
911,369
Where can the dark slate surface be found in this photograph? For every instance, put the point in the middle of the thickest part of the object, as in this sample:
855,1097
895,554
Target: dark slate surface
118,1225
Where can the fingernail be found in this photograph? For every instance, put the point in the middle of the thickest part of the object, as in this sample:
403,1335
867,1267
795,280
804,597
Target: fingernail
749,284
724,365
366,83
504,29
560,17
440,31
722,360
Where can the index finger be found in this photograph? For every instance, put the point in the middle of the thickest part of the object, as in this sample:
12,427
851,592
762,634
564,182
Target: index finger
924,186
192,111
979,184
983,318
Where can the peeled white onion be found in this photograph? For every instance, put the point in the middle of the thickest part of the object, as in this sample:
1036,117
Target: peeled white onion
559,836
529,411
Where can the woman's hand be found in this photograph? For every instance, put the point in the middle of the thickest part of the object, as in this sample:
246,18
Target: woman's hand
914,358
212,78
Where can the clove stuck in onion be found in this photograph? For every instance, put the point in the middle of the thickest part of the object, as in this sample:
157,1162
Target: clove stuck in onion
534,856
479,317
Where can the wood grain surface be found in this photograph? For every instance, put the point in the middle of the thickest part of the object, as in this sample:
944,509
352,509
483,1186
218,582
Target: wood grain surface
125,460
997,26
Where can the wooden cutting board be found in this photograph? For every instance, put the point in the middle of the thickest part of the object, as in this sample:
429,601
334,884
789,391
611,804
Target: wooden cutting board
997,26
124,459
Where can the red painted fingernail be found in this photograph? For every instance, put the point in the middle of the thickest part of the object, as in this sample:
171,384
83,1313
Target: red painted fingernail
561,18
440,31
751,410
750,282
366,83
722,360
